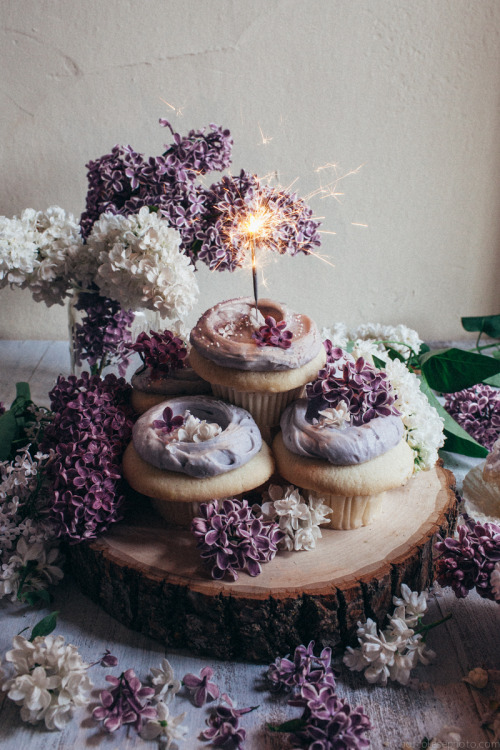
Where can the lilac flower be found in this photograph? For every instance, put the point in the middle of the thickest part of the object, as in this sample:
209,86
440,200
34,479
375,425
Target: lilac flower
90,430
305,667
200,687
273,334
125,703
469,561
333,353
477,410
168,423
234,539
108,660
224,725
103,335
366,391
163,352
328,722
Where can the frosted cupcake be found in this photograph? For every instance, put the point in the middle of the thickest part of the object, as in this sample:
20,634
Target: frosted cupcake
195,449
165,371
345,441
261,362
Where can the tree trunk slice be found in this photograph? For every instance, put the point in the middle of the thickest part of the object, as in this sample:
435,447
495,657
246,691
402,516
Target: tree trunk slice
150,578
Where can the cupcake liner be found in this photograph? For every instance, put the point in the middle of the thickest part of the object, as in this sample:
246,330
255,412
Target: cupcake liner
265,408
179,513
350,512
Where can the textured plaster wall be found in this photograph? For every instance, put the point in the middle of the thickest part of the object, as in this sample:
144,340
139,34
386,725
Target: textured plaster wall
408,89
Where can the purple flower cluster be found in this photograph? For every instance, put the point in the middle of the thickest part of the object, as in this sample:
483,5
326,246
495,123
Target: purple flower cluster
124,181
477,410
168,423
468,561
230,202
200,687
328,722
126,703
224,726
162,352
91,427
333,353
233,539
273,334
103,336
366,391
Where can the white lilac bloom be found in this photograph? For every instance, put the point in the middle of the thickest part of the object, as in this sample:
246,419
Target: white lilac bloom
423,425
196,430
165,684
334,416
401,338
49,680
298,520
165,726
140,264
415,604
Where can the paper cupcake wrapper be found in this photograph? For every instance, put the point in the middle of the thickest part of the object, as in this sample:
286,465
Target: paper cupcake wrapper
265,408
179,513
350,512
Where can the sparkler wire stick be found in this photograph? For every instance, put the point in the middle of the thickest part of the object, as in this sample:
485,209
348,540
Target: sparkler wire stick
254,277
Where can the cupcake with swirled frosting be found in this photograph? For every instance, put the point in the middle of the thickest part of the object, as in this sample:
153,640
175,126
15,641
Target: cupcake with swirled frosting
165,370
345,441
195,449
260,360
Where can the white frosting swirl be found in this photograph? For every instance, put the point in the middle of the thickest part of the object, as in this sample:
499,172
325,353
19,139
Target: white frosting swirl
342,446
223,335
238,442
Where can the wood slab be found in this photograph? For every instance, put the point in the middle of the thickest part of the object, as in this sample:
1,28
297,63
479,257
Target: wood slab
150,578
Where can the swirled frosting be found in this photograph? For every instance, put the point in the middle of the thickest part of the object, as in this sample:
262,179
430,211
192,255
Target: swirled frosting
223,335
342,446
238,442
183,380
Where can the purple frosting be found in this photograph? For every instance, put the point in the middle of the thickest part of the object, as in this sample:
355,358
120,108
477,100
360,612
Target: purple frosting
238,442
340,446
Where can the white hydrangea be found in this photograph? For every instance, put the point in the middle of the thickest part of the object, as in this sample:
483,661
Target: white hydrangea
337,334
400,337
49,680
36,251
424,426
298,520
140,264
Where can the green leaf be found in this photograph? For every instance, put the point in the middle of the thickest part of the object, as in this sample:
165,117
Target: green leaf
456,439
450,370
288,726
379,363
45,626
394,354
8,432
488,324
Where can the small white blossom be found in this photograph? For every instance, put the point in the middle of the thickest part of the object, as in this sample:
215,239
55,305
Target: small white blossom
165,726
196,430
334,416
495,582
297,519
415,604
164,681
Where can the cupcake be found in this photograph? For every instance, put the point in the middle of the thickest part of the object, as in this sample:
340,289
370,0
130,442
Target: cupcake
345,441
195,449
261,361
165,371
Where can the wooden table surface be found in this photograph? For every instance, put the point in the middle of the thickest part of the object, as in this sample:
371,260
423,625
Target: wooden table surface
399,714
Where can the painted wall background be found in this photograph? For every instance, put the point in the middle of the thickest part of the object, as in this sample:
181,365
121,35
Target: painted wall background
409,90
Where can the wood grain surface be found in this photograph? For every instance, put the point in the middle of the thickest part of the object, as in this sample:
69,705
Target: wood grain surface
399,714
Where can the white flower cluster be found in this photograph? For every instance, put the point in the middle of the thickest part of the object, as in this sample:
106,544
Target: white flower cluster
29,552
423,425
196,430
37,251
140,265
369,337
393,652
49,680
495,582
165,726
299,521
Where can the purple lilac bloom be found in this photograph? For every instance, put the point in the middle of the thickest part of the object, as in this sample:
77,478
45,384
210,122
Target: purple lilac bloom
329,723
477,410
201,689
273,334
468,561
233,539
224,726
305,667
162,352
366,391
234,199
333,353
91,427
168,423
103,336
126,703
